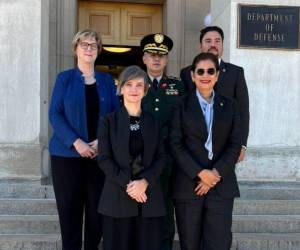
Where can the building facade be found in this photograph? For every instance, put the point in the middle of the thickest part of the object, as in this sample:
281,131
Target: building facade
36,44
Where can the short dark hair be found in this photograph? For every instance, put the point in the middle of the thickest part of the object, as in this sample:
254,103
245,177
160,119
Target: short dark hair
130,73
204,57
211,28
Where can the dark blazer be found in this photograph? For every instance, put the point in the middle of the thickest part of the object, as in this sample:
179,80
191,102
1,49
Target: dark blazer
67,112
114,157
187,139
231,83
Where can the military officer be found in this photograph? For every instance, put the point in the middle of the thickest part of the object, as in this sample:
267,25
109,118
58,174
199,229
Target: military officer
163,94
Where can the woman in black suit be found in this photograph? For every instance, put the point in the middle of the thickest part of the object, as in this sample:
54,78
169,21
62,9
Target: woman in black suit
205,142
132,156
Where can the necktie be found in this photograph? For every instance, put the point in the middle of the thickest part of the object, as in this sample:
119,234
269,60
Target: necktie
208,115
155,83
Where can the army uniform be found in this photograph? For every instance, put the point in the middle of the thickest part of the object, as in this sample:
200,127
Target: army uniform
160,103
160,100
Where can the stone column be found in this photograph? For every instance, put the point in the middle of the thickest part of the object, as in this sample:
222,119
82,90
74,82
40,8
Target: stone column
44,83
182,22
62,28
66,29
20,92
273,82
174,27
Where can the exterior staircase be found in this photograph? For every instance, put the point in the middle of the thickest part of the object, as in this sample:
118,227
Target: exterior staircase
266,217
28,217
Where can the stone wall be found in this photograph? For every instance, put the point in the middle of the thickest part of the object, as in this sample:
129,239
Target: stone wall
20,77
273,82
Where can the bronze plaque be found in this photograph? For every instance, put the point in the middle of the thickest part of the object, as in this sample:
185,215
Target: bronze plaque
273,27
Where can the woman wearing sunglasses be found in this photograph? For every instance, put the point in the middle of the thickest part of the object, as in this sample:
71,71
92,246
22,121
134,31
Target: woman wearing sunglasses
205,144
80,97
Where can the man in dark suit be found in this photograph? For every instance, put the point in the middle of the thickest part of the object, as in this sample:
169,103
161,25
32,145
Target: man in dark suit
163,94
231,82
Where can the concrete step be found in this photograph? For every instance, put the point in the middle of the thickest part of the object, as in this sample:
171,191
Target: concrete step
265,241
241,241
261,241
270,190
30,242
29,224
241,207
267,207
30,190
48,224
28,207
249,190
266,224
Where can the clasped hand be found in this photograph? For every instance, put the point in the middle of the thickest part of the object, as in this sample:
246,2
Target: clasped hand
137,190
87,150
208,179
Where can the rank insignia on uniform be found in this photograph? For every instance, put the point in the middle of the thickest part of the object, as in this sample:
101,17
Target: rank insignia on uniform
172,91
156,44
172,85
174,78
159,38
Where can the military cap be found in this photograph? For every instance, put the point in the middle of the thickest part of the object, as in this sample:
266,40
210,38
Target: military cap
157,43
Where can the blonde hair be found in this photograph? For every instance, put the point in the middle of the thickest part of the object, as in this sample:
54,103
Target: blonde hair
87,33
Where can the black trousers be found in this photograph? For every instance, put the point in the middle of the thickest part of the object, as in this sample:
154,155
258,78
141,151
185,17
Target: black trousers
135,233
78,185
204,224
169,223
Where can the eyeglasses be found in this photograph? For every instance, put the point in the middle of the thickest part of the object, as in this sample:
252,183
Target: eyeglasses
85,45
210,71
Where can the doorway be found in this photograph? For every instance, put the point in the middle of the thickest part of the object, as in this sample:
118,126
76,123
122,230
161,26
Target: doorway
121,26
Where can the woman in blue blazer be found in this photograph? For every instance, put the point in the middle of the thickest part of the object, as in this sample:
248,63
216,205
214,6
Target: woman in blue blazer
80,97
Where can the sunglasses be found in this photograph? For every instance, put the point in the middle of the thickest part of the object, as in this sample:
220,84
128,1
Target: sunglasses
210,71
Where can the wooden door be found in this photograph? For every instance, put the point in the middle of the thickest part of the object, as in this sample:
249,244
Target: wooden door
120,23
